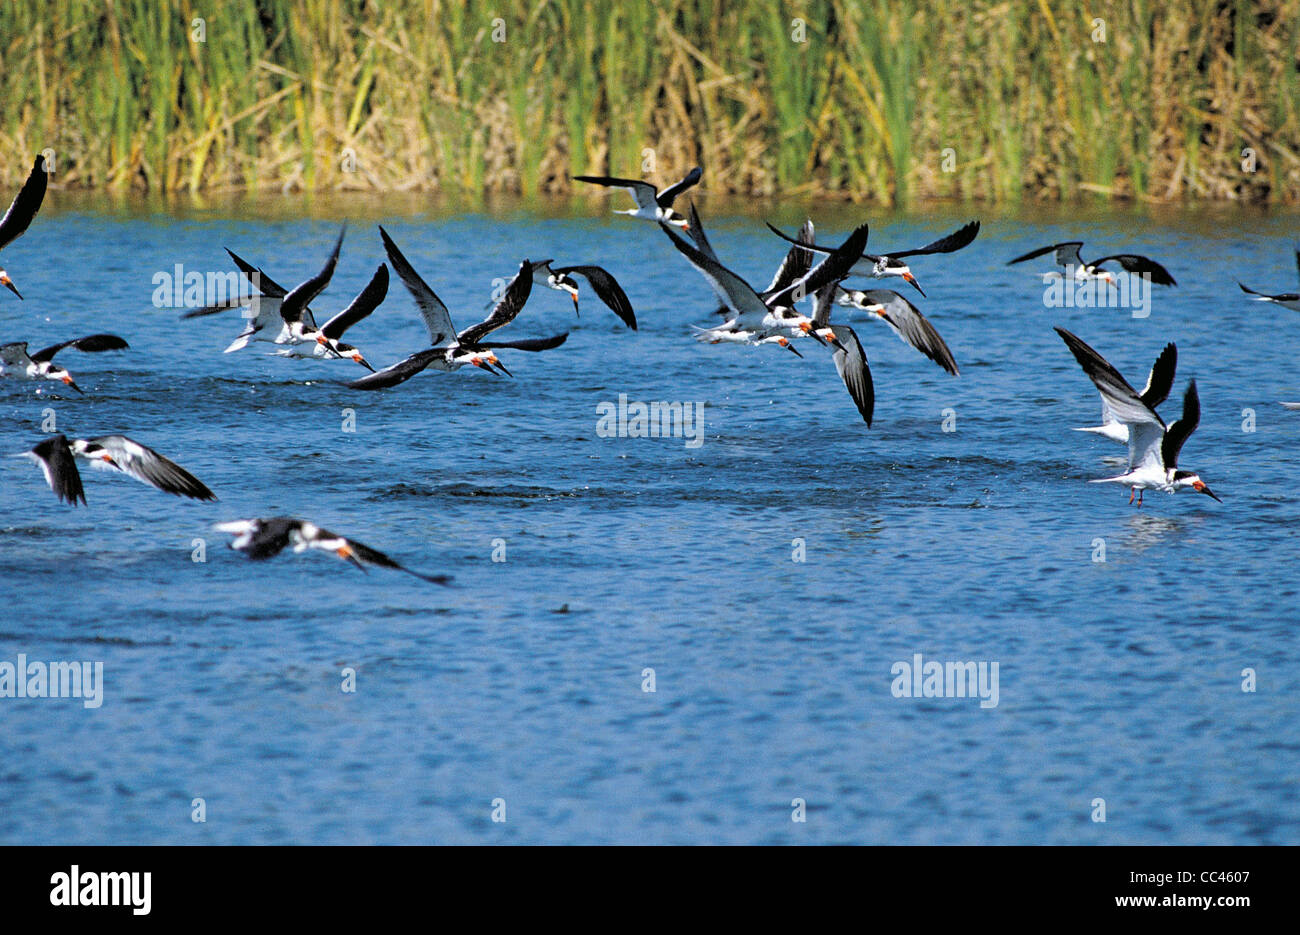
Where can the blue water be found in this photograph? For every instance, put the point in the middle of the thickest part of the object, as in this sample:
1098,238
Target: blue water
1119,680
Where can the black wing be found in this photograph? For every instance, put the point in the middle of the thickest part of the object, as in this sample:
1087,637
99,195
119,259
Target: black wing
149,467
696,230
1067,254
399,372
25,204
527,344
909,324
365,303
511,304
1284,297
665,198
264,283
797,262
437,320
300,296
953,242
851,362
1161,380
1140,264
1178,432
831,270
642,192
607,290
91,344
365,553
60,469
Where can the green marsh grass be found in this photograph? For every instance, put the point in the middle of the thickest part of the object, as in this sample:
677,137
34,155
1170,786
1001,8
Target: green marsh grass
1030,104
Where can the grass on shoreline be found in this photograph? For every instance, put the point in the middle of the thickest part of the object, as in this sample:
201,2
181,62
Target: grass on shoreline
871,100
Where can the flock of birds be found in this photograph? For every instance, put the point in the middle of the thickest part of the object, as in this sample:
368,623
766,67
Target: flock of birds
749,316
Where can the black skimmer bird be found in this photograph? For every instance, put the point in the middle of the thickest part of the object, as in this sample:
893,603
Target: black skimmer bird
755,317
57,459
16,363
1159,384
849,357
1067,256
906,321
1153,447
277,315
797,263
324,342
449,350
880,266
21,211
602,283
651,205
265,538
1289,300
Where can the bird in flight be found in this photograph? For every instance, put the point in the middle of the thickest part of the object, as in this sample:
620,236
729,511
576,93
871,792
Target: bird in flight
261,539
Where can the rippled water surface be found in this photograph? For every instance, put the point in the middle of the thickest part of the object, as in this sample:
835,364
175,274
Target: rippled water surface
523,682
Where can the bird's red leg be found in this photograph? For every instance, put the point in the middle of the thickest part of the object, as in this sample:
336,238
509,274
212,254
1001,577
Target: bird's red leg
1131,494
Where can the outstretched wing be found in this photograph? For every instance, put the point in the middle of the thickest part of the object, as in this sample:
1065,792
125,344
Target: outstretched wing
797,262
366,302
909,324
731,290
362,553
1161,379
1142,265
60,469
851,363
527,344
301,295
1284,297
696,230
506,311
1182,428
665,197
607,290
437,320
399,372
951,243
1146,429
643,192
148,466
92,344
14,354
837,264
1066,254
260,539
25,204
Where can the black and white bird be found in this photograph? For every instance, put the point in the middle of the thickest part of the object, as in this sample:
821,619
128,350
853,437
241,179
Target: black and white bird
261,539
881,266
651,205
16,363
275,314
21,212
796,264
905,319
325,342
449,350
849,357
1067,255
1289,300
1159,384
57,458
754,317
1153,447
602,283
